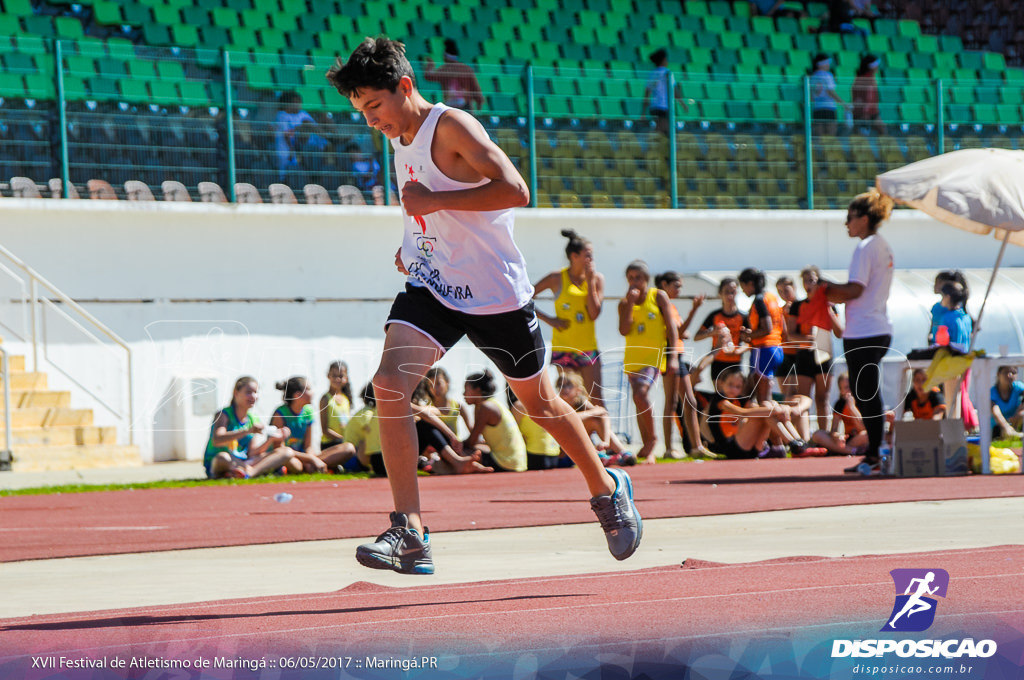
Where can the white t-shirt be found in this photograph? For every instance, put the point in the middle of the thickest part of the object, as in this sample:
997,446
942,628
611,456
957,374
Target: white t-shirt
867,316
823,82
466,258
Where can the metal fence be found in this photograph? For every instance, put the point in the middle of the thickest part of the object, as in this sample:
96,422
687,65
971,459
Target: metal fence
79,111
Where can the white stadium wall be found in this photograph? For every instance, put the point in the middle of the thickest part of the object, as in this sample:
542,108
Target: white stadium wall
204,293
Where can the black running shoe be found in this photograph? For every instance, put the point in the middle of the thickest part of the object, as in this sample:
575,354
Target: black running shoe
399,548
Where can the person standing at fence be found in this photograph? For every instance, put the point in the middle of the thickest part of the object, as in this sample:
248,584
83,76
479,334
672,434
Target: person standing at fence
868,333
865,95
466,277
579,295
643,321
825,102
459,85
657,97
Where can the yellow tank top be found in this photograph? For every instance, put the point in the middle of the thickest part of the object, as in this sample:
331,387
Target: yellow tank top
537,439
338,413
450,415
571,305
505,441
645,342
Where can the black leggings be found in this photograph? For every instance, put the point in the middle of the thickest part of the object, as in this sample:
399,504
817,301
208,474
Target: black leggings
429,436
864,362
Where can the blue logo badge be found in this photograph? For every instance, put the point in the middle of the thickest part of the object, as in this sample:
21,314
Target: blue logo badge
914,610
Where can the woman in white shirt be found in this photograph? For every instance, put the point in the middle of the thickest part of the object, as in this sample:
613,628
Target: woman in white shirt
868,328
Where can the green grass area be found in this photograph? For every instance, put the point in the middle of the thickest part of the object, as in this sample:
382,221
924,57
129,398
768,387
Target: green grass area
180,484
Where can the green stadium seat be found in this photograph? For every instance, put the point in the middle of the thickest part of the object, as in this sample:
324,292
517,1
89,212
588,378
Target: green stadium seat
133,90
927,43
254,18
120,48
185,35
908,28
922,60
830,43
1011,95
195,15
708,40
951,43
1009,114
157,34
986,114
102,89
895,60
737,24
11,84
107,13
971,60
110,68
138,68
879,44
994,61
958,113
193,93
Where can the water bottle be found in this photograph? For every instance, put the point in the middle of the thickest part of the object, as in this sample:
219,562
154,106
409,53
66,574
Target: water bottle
885,462
283,498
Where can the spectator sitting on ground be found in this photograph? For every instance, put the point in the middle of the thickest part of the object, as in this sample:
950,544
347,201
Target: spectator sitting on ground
1007,404
542,451
924,404
596,419
231,450
458,83
440,448
502,446
847,436
363,433
335,405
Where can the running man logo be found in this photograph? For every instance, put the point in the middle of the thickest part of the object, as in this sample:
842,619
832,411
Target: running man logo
914,610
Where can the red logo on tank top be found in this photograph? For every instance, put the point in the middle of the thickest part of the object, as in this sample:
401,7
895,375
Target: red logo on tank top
418,219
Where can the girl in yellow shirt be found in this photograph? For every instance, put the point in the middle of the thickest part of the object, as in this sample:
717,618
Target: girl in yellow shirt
579,294
642,321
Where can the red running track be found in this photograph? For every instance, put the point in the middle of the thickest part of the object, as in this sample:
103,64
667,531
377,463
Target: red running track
110,522
700,611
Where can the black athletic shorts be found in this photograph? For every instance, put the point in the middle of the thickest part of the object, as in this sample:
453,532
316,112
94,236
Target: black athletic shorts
512,340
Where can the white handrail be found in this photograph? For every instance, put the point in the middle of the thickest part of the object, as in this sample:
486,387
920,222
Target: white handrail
35,280
8,457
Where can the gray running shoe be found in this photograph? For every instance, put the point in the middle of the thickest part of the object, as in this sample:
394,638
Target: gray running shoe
399,548
619,517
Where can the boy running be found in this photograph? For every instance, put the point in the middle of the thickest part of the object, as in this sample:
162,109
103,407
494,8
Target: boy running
466,277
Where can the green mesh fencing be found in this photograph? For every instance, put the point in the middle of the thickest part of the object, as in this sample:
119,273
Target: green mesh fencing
577,128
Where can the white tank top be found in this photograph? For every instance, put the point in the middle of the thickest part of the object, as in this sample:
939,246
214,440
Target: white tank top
467,259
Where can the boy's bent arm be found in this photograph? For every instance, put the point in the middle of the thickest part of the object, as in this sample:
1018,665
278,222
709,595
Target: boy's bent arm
463,151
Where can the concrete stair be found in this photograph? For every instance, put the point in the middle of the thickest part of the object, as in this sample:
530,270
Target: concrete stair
47,434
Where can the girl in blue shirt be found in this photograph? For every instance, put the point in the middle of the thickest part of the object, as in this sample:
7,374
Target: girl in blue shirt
1007,404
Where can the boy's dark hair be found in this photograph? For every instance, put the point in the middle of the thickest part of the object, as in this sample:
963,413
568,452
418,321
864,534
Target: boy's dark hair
377,64
725,282
451,47
754,276
659,55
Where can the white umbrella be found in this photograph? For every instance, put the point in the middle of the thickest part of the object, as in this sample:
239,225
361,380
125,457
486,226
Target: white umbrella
977,190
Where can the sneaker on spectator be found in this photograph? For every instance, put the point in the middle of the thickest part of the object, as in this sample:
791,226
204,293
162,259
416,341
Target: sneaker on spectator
400,549
619,517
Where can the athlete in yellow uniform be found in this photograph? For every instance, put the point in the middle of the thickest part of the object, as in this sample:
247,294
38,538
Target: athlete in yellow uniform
642,315
579,294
